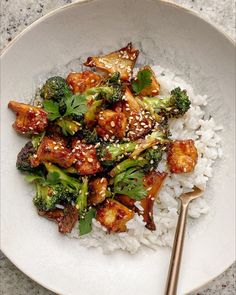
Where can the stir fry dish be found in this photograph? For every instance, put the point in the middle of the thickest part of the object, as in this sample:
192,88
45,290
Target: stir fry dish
95,141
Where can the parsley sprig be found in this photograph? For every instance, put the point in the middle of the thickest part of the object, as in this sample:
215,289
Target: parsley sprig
130,183
85,222
74,105
143,80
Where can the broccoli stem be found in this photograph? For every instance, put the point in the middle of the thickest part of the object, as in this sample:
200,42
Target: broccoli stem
103,90
157,103
128,163
90,115
81,201
175,105
148,107
116,150
58,175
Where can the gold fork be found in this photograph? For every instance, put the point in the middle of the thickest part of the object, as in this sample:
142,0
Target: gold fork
175,261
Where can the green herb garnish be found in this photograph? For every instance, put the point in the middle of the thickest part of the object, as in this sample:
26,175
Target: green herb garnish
130,183
143,80
85,223
74,105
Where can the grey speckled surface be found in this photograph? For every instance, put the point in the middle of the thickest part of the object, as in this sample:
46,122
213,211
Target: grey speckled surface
17,15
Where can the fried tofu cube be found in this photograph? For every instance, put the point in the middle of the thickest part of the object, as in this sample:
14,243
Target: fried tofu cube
29,119
54,150
152,89
139,122
97,191
126,200
111,124
122,61
86,161
65,218
114,216
131,104
182,156
152,182
80,82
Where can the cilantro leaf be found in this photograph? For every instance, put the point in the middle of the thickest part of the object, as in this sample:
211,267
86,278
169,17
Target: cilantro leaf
130,183
52,108
143,80
76,105
85,223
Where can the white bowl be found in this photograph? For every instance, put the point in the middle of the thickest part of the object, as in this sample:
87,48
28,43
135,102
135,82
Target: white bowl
174,38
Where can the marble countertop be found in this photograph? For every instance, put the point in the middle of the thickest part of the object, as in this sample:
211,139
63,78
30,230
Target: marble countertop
17,15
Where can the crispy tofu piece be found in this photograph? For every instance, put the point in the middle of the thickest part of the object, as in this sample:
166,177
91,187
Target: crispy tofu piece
54,150
114,216
154,88
139,122
80,82
111,124
122,61
65,218
126,200
29,119
97,191
131,103
86,161
153,182
182,156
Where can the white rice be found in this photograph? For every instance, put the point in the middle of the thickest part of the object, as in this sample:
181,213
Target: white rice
192,126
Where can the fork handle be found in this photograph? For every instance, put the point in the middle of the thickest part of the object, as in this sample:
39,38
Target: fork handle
173,274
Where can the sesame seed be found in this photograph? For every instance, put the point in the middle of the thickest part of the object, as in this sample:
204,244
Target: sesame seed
112,124
90,160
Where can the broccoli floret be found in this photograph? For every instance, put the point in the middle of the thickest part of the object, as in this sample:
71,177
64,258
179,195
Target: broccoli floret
81,200
68,126
90,136
23,158
147,160
57,176
110,93
55,89
172,107
114,79
58,188
110,153
153,157
48,196
90,116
